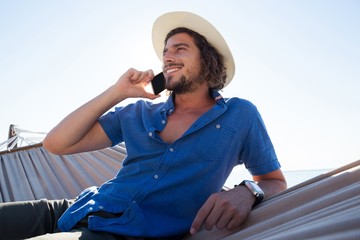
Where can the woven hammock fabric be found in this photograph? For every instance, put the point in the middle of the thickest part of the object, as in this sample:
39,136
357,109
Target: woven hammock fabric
35,173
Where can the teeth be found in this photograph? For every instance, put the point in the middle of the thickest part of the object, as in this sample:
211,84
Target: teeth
172,70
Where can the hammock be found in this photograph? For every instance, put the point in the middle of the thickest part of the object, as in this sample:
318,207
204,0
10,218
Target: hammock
34,173
325,207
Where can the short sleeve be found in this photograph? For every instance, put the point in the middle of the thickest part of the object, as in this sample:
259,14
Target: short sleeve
258,153
111,124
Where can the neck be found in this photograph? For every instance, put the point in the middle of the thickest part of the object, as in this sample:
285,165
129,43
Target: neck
200,98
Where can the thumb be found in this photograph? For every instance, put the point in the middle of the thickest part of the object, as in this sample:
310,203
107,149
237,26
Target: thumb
151,95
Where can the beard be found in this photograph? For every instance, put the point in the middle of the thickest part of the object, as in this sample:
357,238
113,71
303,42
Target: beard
185,84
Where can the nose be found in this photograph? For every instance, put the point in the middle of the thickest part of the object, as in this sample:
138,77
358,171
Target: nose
168,56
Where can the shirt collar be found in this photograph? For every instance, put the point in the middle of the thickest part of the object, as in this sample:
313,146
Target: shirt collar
217,96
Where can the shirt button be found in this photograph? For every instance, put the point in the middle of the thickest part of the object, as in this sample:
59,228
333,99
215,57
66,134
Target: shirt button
150,134
101,207
218,126
156,176
163,121
171,149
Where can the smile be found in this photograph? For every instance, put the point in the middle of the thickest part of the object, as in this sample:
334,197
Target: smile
170,70
172,67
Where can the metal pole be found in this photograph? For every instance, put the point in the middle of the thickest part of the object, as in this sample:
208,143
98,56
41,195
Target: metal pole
12,133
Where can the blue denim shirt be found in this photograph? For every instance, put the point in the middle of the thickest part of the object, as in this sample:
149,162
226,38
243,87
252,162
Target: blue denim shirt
161,186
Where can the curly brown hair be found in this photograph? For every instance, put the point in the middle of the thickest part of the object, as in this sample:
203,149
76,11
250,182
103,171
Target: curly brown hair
213,66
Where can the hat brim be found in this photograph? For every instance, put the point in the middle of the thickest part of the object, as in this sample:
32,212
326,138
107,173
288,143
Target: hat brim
169,21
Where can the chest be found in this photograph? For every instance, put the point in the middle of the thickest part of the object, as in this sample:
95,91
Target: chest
177,125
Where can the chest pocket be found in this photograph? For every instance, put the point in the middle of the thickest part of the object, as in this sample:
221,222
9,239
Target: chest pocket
213,141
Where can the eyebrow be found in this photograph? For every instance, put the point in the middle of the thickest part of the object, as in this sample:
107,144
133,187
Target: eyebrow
176,45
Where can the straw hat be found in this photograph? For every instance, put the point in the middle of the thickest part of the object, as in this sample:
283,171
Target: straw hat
169,21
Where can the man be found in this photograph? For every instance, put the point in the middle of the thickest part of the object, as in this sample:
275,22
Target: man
180,152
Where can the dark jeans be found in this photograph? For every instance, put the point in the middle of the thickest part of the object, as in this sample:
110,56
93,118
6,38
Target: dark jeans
19,220
28,219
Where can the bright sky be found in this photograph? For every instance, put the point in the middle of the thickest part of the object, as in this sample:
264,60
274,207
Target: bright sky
297,61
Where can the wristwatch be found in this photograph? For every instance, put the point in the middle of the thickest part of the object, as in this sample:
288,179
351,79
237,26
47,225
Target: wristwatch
255,189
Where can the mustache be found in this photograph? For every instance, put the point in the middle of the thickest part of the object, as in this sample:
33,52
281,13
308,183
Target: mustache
173,65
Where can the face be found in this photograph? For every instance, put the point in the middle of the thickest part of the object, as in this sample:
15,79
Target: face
182,64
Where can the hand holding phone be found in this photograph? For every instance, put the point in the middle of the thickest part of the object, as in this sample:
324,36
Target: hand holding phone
158,83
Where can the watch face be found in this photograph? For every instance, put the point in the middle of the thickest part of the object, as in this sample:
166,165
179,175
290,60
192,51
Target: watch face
255,188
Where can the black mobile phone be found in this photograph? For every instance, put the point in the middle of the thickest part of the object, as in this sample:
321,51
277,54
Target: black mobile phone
158,83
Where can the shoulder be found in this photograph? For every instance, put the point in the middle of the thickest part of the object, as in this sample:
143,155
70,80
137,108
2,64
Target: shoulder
239,104
239,113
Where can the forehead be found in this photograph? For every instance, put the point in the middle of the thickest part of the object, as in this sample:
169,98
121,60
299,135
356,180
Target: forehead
180,38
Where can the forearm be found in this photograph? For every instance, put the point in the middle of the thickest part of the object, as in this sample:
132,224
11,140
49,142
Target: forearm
271,187
77,124
80,130
271,183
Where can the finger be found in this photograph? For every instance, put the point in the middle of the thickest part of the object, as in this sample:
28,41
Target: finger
137,77
201,215
223,221
134,75
146,76
234,223
150,75
229,212
214,216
